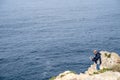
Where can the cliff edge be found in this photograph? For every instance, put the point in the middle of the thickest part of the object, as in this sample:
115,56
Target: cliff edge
110,70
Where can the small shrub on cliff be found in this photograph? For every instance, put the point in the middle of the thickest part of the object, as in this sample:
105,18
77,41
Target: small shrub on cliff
68,73
62,76
102,70
116,68
107,55
73,72
53,78
96,73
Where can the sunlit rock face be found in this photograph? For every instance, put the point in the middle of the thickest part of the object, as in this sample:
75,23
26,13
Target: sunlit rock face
109,59
109,75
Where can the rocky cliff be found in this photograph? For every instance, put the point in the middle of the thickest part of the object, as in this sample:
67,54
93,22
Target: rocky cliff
110,70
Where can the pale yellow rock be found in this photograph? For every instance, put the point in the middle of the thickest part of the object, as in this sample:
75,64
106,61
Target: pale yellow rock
105,76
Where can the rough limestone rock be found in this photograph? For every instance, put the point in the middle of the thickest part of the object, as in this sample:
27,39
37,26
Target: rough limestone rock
109,59
67,75
105,76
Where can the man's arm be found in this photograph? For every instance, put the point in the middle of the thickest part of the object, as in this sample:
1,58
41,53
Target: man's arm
97,56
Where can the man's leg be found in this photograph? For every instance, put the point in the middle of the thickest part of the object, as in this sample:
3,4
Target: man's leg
98,66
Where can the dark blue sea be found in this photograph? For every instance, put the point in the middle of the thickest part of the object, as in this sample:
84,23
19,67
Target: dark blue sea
42,38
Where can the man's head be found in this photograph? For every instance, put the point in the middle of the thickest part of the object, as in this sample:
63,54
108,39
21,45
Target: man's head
95,51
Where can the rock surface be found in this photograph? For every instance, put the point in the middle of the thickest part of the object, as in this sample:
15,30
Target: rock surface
109,59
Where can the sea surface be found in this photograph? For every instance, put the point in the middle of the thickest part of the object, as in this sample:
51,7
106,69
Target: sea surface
42,38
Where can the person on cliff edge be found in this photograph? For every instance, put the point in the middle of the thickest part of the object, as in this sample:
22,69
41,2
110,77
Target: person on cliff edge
97,59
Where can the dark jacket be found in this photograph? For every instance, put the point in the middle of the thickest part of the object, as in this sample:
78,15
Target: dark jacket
97,58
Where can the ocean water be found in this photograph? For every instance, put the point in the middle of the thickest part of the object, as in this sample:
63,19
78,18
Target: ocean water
42,38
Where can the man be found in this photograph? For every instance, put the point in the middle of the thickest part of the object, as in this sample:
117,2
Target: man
97,59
